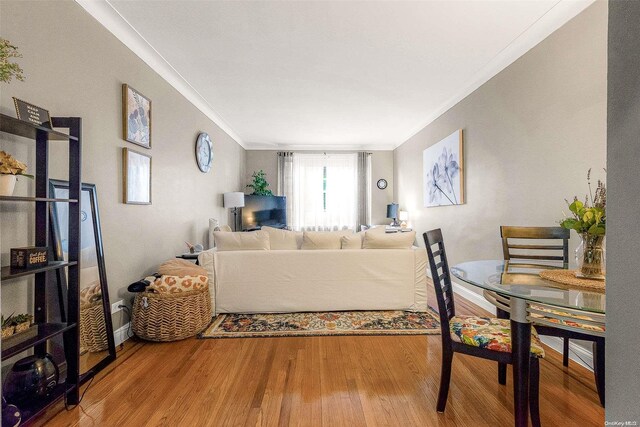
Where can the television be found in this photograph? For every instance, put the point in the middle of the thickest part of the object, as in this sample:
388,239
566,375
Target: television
259,211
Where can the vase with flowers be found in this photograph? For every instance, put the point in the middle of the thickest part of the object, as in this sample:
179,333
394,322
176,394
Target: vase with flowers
10,168
589,220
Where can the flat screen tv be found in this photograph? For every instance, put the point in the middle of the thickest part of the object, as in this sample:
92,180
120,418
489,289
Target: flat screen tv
259,211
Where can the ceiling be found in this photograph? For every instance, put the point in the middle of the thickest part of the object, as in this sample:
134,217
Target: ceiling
321,74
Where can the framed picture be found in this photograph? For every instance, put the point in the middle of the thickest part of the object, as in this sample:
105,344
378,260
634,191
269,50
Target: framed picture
136,117
136,170
443,172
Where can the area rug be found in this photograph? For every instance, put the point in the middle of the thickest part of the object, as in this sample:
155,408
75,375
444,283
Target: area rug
323,323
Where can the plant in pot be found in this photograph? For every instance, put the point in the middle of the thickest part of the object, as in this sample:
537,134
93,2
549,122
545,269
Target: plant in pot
7,326
10,168
22,322
260,184
589,220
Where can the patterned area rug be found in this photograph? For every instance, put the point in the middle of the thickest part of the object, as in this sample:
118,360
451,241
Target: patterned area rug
323,323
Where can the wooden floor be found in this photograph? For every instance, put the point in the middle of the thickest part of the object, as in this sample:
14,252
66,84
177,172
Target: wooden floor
318,381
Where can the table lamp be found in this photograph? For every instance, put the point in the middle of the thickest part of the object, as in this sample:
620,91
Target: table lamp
234,200
392,212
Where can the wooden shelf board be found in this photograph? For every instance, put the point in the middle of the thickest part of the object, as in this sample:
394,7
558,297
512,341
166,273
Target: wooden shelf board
45,332
35,199
14,126
9,273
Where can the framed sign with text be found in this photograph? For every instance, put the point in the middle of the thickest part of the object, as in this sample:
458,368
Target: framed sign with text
32,113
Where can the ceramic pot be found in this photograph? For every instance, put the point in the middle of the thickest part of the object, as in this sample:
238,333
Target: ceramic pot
7,184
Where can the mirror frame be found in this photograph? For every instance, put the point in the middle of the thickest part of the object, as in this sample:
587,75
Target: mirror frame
55,184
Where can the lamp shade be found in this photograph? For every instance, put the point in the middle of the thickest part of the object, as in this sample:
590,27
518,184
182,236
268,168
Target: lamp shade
392,211
234,200
403,216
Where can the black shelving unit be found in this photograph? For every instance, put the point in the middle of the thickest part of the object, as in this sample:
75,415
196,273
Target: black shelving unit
47,330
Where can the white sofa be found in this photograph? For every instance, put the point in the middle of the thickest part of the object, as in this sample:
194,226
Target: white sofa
282,281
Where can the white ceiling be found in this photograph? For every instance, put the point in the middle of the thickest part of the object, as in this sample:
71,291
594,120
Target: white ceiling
340,74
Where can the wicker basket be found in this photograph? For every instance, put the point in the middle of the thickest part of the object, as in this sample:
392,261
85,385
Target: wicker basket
171,316
93,330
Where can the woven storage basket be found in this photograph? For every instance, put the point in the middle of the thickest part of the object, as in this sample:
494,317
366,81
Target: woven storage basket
93,330
171,316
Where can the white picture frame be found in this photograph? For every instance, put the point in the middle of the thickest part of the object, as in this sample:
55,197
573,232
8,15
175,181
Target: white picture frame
136,169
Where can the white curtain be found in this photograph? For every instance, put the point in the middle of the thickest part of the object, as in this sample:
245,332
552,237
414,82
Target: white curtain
325,191
285,181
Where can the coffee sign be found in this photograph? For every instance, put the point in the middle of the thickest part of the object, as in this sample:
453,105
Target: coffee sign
29,257
32,113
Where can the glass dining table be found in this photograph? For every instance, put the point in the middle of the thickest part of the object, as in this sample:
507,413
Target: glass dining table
517,288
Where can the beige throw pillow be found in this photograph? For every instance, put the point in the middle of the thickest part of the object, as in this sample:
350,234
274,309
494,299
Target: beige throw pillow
352,241
377,240
283,239
180,268
323,239
241,241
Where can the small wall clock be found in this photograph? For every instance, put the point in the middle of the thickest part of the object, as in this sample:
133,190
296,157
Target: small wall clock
382,183
204,152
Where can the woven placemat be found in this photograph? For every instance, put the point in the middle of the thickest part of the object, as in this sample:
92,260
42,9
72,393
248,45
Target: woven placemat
568,277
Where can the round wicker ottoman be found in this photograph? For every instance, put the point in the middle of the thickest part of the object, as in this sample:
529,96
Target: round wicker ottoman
171,316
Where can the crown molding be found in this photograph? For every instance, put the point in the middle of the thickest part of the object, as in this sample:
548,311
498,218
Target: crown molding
112,20
261,146
561,13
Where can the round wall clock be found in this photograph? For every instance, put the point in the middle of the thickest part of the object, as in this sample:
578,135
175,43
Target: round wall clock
204,152
382,184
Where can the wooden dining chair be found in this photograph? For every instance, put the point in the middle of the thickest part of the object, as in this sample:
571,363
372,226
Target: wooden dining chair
487,338
571,328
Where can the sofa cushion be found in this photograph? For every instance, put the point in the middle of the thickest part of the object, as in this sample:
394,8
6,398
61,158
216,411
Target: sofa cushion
377,240
323,239
180,267
283,239
352,241
241,241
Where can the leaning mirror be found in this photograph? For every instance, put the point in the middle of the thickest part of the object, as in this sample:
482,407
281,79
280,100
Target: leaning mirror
97,347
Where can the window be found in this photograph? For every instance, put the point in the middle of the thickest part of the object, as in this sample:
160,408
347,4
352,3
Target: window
324,191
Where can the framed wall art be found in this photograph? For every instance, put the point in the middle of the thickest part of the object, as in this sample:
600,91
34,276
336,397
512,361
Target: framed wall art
136,117
443,171
136,171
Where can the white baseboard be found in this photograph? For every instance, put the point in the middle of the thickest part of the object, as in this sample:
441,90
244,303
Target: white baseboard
121,334
577,353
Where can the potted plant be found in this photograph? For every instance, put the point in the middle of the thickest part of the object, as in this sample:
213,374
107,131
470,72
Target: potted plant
10,168
7,326
22,322
589,220
260,184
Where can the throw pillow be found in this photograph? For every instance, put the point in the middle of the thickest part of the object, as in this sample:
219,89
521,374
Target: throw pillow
376,240
241,241
283,239
323,239
181,267
352,241
173,284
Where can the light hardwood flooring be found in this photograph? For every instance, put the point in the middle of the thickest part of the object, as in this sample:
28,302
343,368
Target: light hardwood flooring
318,381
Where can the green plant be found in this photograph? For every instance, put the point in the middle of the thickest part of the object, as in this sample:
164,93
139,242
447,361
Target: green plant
20,318
9,70
589,217
260,184
6,322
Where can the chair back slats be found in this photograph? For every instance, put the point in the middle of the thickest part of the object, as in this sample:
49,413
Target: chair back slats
535,233
441,281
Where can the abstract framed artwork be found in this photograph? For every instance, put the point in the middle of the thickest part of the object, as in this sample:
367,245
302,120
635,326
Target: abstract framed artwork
136,170
136,117
443,172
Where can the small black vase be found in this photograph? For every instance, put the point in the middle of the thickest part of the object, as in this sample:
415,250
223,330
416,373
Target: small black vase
30,378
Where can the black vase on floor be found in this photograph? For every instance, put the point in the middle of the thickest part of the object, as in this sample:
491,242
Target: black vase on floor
31,377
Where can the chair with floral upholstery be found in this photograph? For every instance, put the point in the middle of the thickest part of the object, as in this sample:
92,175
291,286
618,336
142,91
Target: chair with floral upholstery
487,338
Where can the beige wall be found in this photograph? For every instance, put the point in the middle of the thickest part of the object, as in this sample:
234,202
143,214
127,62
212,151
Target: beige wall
381,167
75,67
531,133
